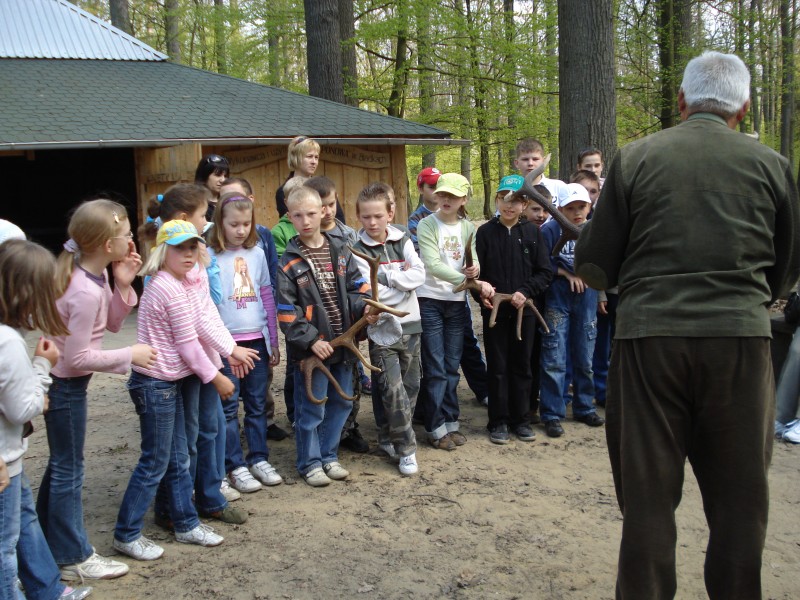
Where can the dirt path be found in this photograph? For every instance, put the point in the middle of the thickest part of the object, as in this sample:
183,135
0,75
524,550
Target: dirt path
533,520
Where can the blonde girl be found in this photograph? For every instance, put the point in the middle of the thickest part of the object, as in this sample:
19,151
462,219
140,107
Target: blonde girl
99,236
166,322
27,301
242,263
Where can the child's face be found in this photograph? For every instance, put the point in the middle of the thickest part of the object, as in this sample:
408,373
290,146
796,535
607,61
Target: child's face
528,161
309,163
429,196
181,259
535,214
593,189
236,224
306,215
197,218
449,205
510,211
593,163
576,211
374,218
122,243
328,211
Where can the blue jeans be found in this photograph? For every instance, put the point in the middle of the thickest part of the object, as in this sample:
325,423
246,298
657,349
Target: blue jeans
789,384
59,503
9,536
201,410
253,391
571,318
36,568
472,364
318,427
164,455
442,342
602,347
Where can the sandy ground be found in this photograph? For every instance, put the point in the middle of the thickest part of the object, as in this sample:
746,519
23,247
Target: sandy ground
526,520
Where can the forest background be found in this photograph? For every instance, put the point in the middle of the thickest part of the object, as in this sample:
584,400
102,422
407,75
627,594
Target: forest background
572,73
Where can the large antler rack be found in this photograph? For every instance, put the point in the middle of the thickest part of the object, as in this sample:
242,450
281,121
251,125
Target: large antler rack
497,299
348,338
569,231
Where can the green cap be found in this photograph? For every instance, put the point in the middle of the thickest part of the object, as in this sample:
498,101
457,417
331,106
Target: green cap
453,183
510,183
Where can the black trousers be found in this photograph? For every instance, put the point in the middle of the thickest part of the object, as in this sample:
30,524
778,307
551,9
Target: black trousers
711,400
508,364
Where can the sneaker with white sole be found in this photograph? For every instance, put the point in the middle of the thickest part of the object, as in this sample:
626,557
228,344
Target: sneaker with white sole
141,548
792,432
242,480
228,492
202,535
335,471
317,478
94,567
388,448
266,473
408,465
80,593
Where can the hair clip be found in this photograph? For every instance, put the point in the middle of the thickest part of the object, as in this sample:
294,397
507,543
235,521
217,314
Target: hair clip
160,198
149,219
71,246
300,140
116,216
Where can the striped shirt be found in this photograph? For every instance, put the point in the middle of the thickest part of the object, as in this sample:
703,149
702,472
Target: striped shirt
211,330
320,261
168,324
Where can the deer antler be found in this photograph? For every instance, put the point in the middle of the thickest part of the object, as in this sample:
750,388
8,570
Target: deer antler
348,338
569,231
468,284
498,299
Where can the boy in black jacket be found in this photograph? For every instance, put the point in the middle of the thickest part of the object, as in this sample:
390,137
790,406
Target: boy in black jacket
514,261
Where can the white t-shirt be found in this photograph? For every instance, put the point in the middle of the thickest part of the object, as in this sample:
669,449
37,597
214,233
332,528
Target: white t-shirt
451,253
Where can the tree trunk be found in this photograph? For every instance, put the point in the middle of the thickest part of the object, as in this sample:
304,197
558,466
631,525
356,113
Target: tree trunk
512,95
787,78
120,17
587,97
324,53
220,35
172,28
479,85
400,58
347,33
755,110
425,70
552,98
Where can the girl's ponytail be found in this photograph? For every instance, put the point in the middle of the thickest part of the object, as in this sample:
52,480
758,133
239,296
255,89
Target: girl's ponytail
64,266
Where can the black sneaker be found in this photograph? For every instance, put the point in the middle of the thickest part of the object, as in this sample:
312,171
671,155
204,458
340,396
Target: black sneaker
276,433
499,435
354,442
553,428
525,433
592,419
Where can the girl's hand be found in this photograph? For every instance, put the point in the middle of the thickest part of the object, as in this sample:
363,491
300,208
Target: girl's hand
223,385
143,355
472,272
487,293
371,319
322,349
275,357
48,350
4,478
601,308
244,356
518,299
125,270
576,284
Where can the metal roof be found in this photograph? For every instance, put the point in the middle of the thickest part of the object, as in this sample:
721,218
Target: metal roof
59,29
95,103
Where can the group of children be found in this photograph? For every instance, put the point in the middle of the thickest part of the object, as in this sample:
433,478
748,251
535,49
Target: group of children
214,296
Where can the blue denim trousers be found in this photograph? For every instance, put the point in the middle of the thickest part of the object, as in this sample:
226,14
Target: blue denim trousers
442,342
253,391
472,363
789,384
572,320
602,348
59,503
318,427
201,409
164,456
24,552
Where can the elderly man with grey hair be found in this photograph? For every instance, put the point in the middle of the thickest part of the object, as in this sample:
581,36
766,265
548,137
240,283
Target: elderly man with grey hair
698,226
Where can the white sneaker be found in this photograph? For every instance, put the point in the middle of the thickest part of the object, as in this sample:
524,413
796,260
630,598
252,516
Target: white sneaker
140,549
94,567
266,473
242,480
202,535
316,478
228,492
408,465
792,432
389,449
335,471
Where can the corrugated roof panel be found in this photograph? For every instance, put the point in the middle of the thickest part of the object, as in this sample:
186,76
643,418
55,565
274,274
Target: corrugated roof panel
59,29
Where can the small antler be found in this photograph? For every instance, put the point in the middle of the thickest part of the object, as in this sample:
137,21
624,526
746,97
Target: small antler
468,284
348,338
498,299
569,231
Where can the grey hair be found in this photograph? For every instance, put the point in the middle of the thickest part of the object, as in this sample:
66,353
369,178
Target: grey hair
716,83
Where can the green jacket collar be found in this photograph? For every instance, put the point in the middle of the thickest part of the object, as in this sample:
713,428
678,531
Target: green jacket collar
708,117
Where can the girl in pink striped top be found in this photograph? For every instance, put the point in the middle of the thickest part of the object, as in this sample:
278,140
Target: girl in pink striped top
166,322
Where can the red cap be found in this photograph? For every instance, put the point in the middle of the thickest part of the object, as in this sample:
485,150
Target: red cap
429,175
